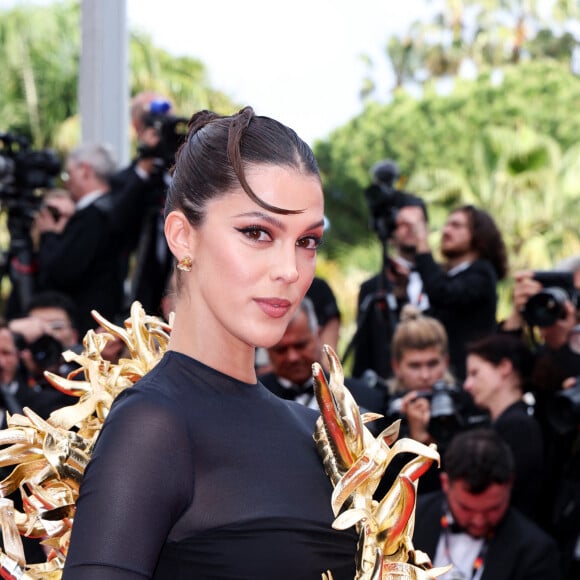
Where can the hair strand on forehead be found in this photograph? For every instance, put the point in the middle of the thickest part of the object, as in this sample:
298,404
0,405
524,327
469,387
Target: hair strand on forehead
218,151
239,123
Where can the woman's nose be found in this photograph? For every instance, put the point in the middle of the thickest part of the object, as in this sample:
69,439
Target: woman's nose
286,266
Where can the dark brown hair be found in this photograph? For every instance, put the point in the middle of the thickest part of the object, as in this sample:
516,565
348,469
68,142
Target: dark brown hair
497,347
480,458
486,238
213,159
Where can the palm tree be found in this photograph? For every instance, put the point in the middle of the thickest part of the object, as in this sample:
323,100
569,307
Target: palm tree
526,182
40,51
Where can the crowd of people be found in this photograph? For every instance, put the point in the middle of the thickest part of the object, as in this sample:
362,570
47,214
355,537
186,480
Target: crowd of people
226,240
430,351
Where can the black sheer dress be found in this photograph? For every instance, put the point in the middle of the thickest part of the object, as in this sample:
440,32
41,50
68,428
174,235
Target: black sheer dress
197,475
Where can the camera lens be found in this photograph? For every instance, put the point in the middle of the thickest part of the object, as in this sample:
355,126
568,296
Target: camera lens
46,351
546,307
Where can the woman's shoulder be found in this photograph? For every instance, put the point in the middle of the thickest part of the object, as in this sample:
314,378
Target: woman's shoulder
163,386
519,420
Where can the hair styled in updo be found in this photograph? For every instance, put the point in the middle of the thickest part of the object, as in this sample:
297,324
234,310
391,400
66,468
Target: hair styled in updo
417,331
217,152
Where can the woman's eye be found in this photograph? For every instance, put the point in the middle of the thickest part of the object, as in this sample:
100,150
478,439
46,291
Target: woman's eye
255,233
310,242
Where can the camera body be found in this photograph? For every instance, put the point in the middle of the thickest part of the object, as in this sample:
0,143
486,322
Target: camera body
171,130
447,411
24,170
24,174
548,306
442,397
384,199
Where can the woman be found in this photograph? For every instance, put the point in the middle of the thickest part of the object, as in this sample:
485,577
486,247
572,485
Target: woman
498,367
201,472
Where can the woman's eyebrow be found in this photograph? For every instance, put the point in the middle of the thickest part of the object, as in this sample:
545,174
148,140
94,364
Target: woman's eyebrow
274,220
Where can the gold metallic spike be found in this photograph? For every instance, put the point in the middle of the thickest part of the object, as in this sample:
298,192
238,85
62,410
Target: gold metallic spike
50,455
355,461
12,541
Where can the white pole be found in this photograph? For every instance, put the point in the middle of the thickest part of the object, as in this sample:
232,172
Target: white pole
103,75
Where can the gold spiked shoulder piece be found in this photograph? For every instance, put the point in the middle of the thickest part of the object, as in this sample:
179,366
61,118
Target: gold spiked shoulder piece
355,462
50,456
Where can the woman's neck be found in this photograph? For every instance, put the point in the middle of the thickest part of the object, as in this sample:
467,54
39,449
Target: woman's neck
502,402
233,359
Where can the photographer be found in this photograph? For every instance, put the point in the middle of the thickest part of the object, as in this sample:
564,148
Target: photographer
139,191
556,392
81,258
382,296
545,315
17,391
423,393
499,367
463,290
26,178
48,329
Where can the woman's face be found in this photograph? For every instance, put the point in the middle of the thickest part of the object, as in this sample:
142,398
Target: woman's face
483,381
251,267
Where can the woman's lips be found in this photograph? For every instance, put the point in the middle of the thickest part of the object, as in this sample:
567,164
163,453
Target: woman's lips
274,307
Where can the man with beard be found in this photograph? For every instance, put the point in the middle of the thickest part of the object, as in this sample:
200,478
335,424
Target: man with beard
463,290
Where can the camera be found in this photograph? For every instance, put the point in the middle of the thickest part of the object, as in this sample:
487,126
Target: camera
22,169
446,415
548,306
384,199
563,410
23,172
442,397
46,352
172,132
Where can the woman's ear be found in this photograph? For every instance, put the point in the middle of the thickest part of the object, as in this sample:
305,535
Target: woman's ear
505,367
179,234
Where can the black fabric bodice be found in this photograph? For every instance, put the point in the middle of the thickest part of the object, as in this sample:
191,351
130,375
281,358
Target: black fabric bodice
197,475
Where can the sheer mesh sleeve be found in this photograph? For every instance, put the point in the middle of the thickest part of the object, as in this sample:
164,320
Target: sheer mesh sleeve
129,498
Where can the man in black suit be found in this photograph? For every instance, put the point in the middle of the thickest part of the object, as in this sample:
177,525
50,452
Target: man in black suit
292,359
463,290
382,297
470,523
139,192
79,255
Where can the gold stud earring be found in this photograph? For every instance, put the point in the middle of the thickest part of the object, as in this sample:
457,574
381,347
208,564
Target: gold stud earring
185,264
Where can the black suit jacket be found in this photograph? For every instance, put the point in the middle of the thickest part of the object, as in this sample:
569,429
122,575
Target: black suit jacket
519,549
464,303
271,382
367,398
138,214
82,263
376,322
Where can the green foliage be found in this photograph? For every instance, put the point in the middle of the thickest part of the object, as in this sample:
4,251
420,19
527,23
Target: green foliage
38,76
444,133
40,50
